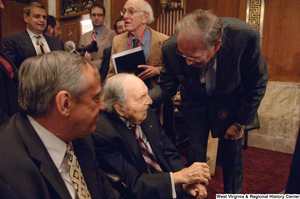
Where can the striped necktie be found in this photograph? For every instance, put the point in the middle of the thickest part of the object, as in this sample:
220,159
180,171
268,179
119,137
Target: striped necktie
76,174
40,46
152,165
94,36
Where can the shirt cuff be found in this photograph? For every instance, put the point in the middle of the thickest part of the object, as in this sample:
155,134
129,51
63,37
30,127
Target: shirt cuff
173,186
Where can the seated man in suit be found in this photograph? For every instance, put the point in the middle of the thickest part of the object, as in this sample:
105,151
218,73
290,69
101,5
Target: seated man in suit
31,42
130,143
46,150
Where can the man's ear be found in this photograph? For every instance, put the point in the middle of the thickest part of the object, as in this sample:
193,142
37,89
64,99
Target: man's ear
217,45
63,103
118,108
25,17
146,17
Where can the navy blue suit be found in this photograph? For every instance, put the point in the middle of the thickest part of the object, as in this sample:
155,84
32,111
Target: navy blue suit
18,46
241,80
27,170
119,153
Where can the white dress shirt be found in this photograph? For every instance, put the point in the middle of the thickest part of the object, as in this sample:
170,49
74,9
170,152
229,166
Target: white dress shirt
33,40
57,151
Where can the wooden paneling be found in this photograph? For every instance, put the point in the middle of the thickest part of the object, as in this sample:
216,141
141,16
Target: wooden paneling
70,29
228,8
281,36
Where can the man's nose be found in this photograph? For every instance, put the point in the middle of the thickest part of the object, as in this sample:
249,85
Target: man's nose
101,106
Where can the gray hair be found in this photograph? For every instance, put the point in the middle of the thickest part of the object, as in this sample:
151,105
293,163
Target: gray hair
43,76
147,8
201,23
71,44
113,90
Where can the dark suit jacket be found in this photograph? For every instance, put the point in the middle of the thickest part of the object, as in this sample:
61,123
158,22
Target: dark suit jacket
241,80
118,152
105,63
27,170
19,47
8,91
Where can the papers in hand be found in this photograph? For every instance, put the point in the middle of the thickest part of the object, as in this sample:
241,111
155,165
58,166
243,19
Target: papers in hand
127,61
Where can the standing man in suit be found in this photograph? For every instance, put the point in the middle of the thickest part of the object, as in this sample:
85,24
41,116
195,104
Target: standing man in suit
130,125
20,46
8,86
46,150
137,14
102,35
119,29
219,63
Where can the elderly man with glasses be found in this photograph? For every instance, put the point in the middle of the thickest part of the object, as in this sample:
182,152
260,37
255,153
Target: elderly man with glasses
137,14
223,77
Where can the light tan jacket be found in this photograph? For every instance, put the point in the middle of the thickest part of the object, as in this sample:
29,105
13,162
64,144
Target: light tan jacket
104,40
157,39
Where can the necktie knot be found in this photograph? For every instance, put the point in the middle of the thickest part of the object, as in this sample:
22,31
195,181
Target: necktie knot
135,42
40,46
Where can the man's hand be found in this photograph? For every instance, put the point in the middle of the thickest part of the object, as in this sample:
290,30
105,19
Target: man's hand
197,190
196,173
88,56
233,133
177,99
150,71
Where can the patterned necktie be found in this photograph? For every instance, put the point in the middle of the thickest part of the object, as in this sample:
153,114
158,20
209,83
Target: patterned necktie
135,42
210,78
76,174
152,165
94,35
40,46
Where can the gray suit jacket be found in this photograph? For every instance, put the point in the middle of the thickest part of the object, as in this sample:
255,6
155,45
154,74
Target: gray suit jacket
27,170
18,47
104,40
241,80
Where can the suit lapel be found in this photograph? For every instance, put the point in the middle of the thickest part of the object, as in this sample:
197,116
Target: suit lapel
39,153
129,137
26,46
156,46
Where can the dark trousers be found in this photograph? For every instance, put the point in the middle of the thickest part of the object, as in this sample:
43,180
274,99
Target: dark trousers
232,158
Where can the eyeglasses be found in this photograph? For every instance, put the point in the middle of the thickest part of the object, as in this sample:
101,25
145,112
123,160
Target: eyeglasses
191,59
130,12
98,15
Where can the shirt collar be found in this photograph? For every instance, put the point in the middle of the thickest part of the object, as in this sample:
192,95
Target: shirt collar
55,146
31,34
99,30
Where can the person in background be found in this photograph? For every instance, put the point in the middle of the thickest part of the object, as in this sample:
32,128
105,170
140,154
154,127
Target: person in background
130,143
71,47
46,151
102,35
53,27
137,14
8,86
31,42
119,29
223,77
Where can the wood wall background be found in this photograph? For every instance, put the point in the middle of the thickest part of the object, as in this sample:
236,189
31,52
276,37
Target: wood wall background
281,28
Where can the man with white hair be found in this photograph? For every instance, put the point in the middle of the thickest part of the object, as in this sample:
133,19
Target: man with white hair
137,14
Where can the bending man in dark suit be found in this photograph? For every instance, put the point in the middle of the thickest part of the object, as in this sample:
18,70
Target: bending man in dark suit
20,46
118,149
219,63
60,102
